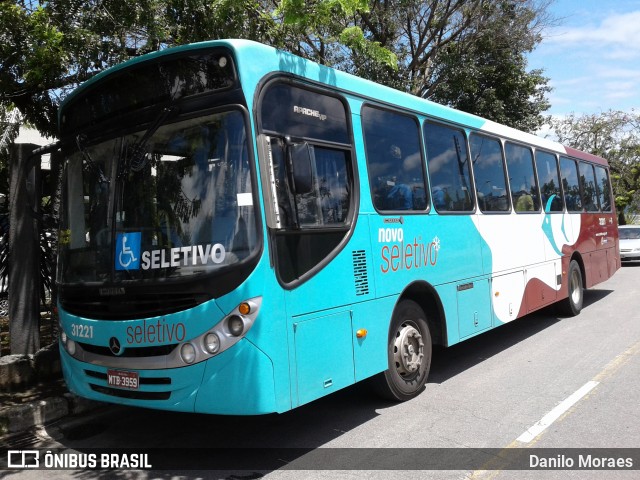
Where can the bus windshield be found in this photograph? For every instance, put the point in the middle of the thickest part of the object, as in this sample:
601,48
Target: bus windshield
171,201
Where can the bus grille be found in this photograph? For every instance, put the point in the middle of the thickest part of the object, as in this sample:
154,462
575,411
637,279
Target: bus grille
155,351
131,394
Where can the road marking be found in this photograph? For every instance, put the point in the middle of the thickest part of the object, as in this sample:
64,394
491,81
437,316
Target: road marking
497,465
557,412
612,367
618,362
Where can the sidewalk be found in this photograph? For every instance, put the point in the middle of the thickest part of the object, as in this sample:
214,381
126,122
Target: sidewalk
32,392
39,405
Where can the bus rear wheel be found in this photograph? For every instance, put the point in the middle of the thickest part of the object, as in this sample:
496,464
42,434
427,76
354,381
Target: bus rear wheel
572,305
409,354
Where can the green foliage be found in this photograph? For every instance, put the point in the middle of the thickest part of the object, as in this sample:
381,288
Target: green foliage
353,37
326,31
49,47
613,135
33,57
488,77
318,13
465,53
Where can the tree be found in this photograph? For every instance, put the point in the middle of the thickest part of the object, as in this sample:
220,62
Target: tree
429,48
415,31
489,77
613,135
49,47
9,126
469,54
325,31
33,60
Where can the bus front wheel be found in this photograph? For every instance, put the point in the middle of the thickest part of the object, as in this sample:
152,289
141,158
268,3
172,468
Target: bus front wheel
572,305
409,354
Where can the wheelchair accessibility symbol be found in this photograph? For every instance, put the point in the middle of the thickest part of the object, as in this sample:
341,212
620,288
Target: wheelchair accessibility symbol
128,251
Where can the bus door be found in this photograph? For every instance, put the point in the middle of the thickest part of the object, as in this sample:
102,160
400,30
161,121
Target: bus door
308,173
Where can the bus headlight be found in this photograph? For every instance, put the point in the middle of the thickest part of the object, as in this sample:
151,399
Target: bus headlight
227,332
211,343
236,325
71,346
188,353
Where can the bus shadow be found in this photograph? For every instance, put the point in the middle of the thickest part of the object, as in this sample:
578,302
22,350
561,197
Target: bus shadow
594,296
250,447
196,446
449,362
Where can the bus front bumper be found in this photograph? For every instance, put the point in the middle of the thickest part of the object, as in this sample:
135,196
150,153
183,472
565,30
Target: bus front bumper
238,381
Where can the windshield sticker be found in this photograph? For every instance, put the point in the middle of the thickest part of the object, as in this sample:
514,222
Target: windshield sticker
129,256
190,255
128,251
245,199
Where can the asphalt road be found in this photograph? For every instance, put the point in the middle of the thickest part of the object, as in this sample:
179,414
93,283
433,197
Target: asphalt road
540,382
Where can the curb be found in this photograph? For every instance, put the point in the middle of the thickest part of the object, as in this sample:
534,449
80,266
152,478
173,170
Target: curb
18,418
18,372
34,393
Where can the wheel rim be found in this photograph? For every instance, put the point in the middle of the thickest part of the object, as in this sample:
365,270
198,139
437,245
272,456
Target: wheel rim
408,350
576,291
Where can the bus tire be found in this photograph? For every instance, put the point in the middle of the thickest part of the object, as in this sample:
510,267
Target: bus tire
572,305
409,354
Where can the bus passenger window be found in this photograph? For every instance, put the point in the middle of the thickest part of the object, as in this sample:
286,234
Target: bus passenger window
549,179
522,178
449,168
589,188
491,186
570,184
604,188
394,160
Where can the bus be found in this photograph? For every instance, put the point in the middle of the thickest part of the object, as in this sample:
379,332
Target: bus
243,231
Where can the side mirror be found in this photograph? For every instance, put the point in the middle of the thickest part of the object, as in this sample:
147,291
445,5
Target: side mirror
301,159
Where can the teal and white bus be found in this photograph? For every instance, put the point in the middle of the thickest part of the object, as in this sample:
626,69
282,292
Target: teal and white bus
244,231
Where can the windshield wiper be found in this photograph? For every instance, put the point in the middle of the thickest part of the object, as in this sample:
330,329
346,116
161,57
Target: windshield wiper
136,157
80,139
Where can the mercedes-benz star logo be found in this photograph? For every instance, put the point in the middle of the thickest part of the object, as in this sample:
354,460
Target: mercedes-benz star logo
114,346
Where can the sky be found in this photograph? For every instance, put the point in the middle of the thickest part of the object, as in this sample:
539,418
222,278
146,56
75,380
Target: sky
592,56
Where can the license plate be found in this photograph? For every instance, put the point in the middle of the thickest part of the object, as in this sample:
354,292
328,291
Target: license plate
123,379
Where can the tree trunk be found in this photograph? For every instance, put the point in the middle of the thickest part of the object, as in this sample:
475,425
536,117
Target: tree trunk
24,251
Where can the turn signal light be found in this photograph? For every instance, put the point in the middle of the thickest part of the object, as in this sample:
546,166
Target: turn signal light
244,308
361,333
